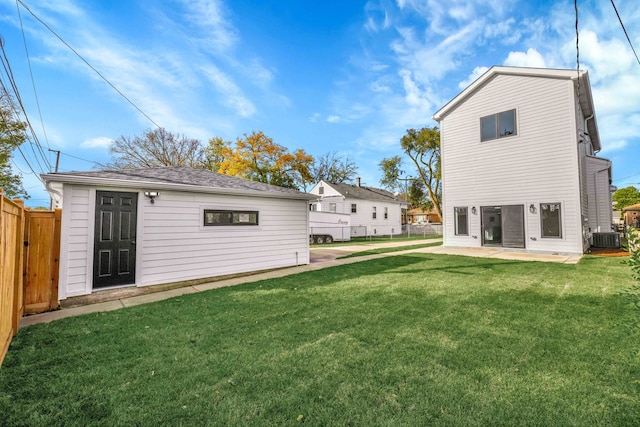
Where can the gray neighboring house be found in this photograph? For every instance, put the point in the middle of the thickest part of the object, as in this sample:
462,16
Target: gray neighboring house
519,163
141,227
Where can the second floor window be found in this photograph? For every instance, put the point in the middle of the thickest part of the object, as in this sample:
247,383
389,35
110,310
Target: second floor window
374,213
354,208
386,213
498,125
332,207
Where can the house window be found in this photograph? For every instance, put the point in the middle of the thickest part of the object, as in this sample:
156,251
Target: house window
220,217
551,220
321,190
461,221
313,207
386,213
354,208
332,207
374,213
498,125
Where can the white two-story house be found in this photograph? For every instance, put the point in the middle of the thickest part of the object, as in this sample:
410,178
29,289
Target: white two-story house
373,211
519,164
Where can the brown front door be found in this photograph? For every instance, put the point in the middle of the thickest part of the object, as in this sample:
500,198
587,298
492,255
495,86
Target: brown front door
114,260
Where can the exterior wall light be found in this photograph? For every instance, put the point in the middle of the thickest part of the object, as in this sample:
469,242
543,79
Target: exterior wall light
532,208
152,195
474,210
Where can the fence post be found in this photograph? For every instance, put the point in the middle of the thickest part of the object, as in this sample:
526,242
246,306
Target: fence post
55,264
18,297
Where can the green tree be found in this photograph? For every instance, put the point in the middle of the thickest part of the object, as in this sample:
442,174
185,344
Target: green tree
626,196
423,148
12,135
392,174
258,158
157,147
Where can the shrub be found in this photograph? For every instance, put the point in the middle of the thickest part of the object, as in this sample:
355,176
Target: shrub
633,241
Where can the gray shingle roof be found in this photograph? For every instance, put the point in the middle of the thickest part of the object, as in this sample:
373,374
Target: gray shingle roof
365,193
174,176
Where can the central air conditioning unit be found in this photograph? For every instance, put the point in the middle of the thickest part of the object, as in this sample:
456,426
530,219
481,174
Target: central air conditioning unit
605,240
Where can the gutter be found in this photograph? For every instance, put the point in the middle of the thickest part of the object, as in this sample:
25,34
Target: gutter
152,185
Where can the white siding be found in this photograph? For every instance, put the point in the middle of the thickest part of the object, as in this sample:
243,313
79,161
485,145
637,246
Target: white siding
537,165
600,213
174,245
76,242
363,217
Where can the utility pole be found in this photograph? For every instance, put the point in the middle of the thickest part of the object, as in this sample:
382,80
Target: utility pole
57,158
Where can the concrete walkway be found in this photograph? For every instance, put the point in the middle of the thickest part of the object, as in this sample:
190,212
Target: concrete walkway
320,258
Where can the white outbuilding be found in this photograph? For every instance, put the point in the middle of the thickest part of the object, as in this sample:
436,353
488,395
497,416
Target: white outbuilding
141,227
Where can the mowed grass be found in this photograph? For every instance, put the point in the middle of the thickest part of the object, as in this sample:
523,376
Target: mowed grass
386,250
418,339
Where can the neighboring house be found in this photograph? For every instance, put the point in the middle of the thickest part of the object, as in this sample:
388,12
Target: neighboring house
519,164
421,216
373,211
159,225
632,215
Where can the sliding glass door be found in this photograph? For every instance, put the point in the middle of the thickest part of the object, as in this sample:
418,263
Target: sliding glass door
503,226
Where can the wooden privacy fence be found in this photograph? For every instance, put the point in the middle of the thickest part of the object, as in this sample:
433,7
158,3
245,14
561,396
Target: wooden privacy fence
29,261
11,259
42,255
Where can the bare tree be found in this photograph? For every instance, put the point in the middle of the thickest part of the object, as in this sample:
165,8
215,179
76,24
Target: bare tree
157,147
332,168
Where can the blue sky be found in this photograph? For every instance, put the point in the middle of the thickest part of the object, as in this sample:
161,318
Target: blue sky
344,76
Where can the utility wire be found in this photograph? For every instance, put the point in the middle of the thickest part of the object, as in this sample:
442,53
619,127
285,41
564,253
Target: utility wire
87,63
33,140
625,31
33,83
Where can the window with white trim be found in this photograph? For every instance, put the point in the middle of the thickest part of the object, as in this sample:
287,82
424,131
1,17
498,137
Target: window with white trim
498,125
551,220
461,222
386,213
354,208
374,214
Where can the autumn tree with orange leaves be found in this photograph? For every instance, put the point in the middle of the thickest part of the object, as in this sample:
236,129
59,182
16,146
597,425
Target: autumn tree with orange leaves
258,158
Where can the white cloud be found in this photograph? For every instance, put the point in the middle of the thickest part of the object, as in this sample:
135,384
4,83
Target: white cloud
334,119
532,58
98,142
233,96
477,72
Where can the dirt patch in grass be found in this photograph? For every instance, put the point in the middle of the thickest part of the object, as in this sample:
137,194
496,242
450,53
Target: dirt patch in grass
609,252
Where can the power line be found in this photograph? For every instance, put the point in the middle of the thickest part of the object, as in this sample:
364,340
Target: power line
34,137
33,83
87,63
625,31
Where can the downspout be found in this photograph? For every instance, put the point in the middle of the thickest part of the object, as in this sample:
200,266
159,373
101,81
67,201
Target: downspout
585,128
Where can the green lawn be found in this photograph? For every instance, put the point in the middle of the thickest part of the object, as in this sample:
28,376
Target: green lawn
390,249
418,339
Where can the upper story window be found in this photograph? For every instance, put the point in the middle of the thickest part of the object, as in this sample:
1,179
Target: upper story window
354,208
374,213
386,213
320,190
313,207
498,125
332,207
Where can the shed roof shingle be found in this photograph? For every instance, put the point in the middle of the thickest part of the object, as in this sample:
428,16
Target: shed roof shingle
174,176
